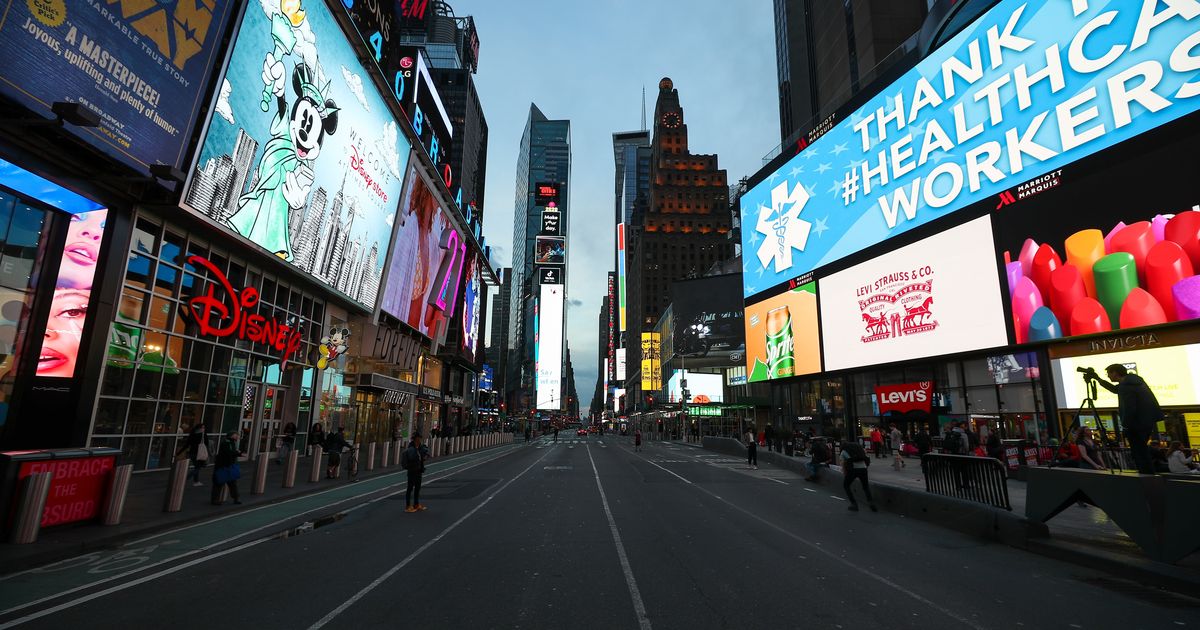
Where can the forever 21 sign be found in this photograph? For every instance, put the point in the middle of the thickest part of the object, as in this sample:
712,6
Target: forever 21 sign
232,315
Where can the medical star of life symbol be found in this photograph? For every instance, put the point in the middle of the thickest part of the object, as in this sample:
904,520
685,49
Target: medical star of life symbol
782,221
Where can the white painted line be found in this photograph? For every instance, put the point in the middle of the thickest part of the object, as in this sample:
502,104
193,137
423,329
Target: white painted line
809,490
776,480
834,496
638,606
392,571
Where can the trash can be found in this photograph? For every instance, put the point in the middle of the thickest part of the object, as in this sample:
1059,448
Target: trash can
77,491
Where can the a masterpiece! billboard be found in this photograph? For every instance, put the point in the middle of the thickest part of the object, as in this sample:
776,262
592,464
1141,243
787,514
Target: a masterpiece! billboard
1111,246
709,317
937,296
782,339
416,255
1030,86
549,348
141,67
302,156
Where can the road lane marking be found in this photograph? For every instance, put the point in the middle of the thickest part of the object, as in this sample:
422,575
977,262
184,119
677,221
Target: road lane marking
323,621
639,607
817,546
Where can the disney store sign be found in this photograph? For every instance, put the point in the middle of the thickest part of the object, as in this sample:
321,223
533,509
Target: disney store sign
232,315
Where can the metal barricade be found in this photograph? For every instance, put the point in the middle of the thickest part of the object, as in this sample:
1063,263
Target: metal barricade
979,479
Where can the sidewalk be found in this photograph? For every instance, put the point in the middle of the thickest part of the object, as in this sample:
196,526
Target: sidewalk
144,513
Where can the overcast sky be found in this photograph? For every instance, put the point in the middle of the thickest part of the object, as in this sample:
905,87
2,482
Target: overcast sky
588,62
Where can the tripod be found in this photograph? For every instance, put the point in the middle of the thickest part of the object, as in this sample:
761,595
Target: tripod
1107,444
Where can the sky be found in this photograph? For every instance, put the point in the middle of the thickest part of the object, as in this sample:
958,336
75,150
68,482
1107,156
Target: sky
588,62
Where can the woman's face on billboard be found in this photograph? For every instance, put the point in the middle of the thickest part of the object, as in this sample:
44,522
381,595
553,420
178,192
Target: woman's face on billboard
82,250
60,347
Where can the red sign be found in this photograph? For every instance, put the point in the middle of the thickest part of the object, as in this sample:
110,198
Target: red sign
219,318
905,397
76,488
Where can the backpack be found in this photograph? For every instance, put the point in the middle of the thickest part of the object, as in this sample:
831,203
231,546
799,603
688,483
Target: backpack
857,453
954,443
410,459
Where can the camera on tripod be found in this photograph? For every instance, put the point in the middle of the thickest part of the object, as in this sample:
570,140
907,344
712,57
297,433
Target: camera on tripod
1088,372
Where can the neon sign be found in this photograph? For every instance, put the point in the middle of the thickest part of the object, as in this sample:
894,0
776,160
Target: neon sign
210,312
449,274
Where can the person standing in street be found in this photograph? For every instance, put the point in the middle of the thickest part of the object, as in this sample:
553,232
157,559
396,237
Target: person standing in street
287,443
527,432
413,460
226,470
896,442
854,466
555,434
1138,408
751,450
637,440
877,442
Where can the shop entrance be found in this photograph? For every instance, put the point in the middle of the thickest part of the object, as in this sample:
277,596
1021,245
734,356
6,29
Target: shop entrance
262,413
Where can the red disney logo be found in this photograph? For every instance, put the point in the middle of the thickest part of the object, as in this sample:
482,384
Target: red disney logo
209,312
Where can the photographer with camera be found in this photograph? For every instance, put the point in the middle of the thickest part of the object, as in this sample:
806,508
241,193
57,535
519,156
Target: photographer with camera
1138,409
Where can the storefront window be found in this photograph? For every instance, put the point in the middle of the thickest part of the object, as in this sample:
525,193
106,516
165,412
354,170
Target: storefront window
20,234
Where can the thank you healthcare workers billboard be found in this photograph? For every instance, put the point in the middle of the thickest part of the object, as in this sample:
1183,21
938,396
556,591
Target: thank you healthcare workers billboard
1030,86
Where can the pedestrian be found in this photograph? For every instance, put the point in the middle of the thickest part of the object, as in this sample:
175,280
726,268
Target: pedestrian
924,445
527,432
413,460
335,443
1138,409
196,450
316,437
1179,462
769,436
877,442
751,451
820,459
555,434
637,440
896,442
995,448
287,443
226,470
854,466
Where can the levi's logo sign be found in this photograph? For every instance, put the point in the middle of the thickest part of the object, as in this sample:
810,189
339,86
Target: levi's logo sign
905,397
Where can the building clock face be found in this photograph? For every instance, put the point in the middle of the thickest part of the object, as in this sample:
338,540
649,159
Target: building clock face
671,120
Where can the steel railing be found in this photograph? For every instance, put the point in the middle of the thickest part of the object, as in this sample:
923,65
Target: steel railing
978,479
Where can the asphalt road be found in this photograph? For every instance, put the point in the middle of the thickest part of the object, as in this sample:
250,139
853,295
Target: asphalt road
587,533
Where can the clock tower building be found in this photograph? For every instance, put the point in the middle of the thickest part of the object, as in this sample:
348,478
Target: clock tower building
682,230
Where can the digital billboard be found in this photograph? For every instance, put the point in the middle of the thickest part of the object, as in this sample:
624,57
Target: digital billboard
301,156
1173,374
545,194
549,275
704,388
937,296
620,369
550,250
549,348
651,362
709,317
72,294
471,305
417,255
141,68
551,222
1028,87
1129,260
621,274
782,339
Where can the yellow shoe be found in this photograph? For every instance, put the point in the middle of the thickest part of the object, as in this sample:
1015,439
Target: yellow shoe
420,507
410,509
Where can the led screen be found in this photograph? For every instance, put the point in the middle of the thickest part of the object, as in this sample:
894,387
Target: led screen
550,347
1030,86
708,317
416,255
550,250
140,67
308,163
1173,374
704,388
72,295
471,305
781,335
936,296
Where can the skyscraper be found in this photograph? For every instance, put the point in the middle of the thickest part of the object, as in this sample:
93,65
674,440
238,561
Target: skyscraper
545,157
497,347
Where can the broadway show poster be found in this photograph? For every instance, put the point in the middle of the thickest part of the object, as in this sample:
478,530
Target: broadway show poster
416,255
302,156
1108,244
141,66
937,296
782,335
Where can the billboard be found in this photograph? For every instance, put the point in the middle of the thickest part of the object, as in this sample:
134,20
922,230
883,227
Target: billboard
141,68
610,364
620,369
550,250
704,388
302,157
72,294
1028,87
937,296
545,194
551,222
651,362
782,338
709,317
549,275
549,348
1173,374
905,397
621,274
471,305
1129,260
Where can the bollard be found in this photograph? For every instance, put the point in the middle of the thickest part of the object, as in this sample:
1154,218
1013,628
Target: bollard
396,452
385,459
260,474
352,466
31,502
173,501
371,456
114,499
315,474
289,475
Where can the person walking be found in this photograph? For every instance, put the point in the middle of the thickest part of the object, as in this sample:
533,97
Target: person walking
820,459
877,442
527,432
287,443
924,444
316,437
751,451
555,434
637,440
413,460
196,448
335,443
896,442
226,470
1138,408
854,466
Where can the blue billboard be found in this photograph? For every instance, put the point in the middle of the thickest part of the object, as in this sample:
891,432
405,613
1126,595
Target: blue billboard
1028,87
141,67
